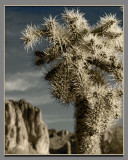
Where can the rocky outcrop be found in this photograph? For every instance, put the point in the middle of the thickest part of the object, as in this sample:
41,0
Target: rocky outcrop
64,142
25,132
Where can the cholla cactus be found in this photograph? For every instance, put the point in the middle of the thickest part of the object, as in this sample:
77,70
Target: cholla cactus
84,56
68,147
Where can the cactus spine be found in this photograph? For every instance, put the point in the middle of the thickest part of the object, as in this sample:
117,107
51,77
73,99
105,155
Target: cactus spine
86,54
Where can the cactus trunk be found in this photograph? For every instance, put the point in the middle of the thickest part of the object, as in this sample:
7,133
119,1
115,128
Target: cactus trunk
88,141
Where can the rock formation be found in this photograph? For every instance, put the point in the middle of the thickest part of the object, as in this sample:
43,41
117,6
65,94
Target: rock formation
25,132
63,142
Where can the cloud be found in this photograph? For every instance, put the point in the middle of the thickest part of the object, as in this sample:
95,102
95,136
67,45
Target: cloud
34,100
59,120
49,119
17,85
22,81
41,99
29,86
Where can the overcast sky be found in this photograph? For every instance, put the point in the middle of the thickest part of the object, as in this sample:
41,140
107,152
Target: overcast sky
22,79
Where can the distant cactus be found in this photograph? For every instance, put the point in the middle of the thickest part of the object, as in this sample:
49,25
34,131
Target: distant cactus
68,146
83,57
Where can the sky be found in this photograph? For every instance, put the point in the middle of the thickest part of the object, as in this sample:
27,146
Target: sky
22,79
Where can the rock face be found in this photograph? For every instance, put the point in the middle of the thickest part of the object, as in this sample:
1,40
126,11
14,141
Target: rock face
25,132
